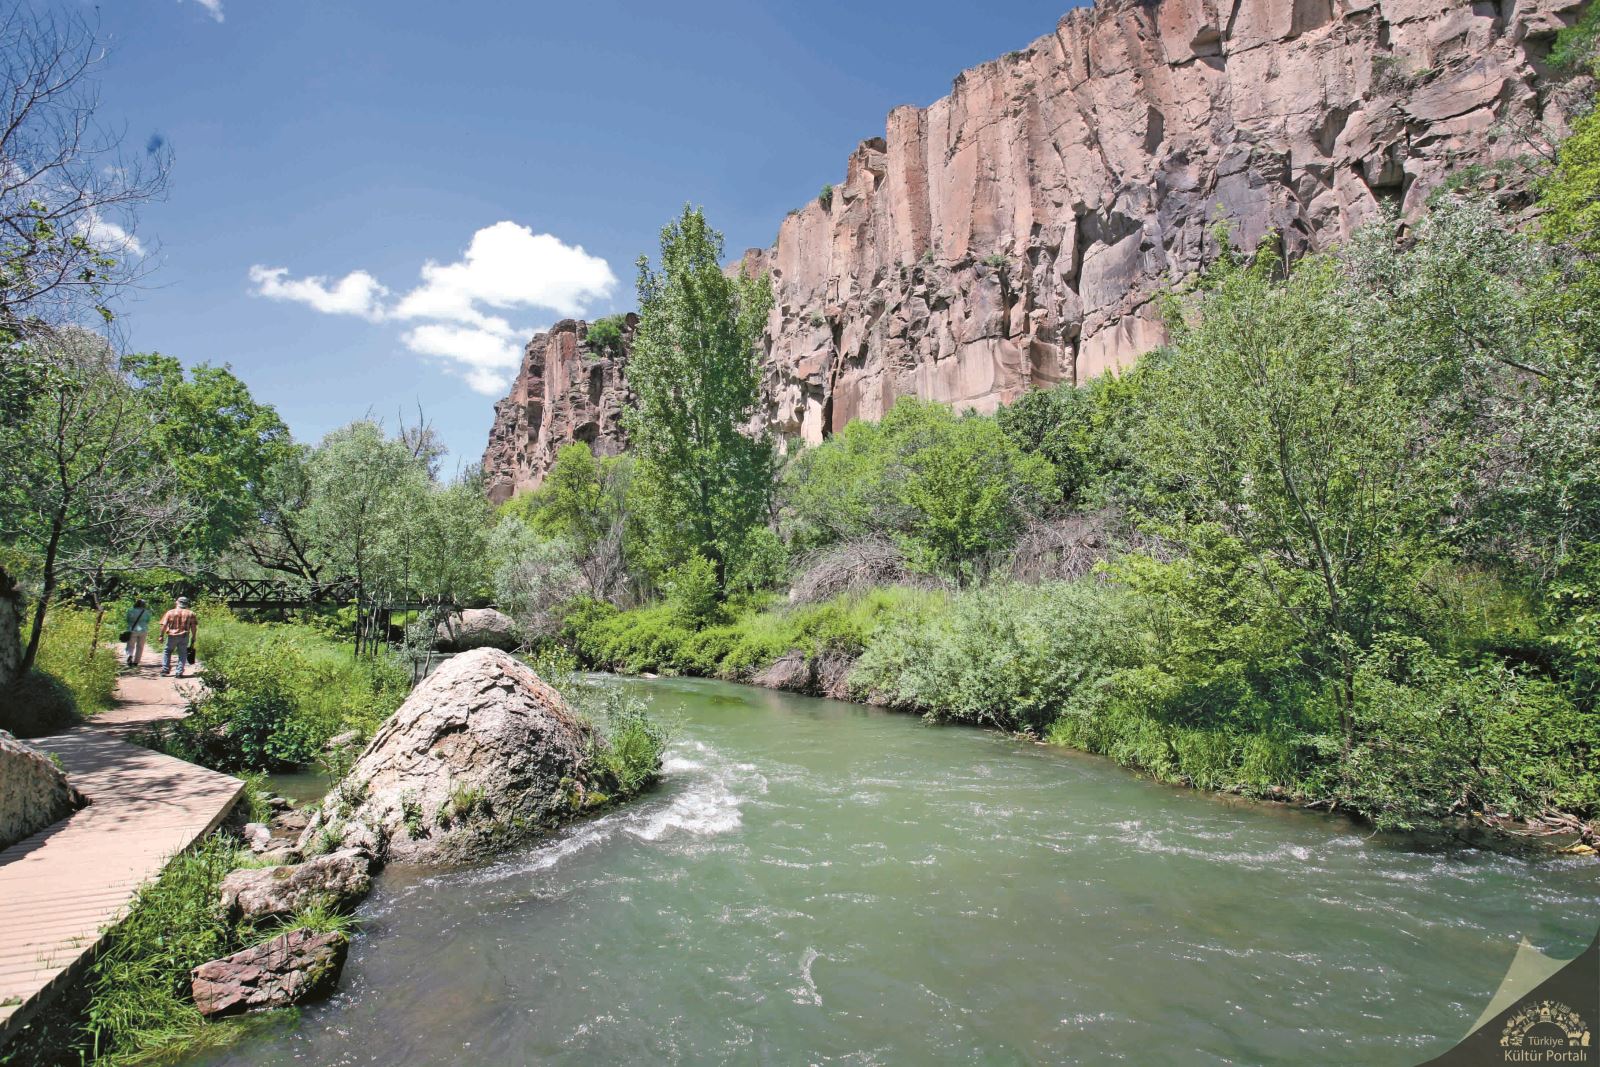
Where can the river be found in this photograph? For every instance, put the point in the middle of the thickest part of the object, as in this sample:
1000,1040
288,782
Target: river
816,882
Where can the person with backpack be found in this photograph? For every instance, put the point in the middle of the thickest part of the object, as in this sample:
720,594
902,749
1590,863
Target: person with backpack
178,627
138,624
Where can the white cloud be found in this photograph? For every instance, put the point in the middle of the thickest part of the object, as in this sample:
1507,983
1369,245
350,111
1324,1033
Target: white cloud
213,7
357,293
508,266
107,236
463,308
488,359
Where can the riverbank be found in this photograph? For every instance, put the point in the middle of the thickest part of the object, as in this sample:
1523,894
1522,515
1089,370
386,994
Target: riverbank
1070,664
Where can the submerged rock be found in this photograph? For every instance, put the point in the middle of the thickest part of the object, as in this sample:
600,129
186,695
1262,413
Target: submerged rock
477,628
480,752
335,881
35,793
291,969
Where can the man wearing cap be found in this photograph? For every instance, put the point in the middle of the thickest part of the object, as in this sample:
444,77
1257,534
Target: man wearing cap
179,627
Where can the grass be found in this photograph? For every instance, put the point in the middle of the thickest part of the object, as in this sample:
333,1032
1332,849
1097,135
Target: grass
133,1001
276,693
73,676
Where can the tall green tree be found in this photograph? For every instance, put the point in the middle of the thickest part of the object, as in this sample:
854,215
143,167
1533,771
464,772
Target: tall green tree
217,441
1275,422
704,479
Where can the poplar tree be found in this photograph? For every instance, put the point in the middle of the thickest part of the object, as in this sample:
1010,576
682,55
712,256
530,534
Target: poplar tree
704,477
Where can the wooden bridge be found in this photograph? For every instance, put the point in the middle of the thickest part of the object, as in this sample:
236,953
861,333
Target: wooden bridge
282,594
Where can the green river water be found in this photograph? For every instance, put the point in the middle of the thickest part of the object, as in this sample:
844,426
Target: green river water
816,882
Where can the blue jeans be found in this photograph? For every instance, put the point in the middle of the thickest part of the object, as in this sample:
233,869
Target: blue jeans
177,645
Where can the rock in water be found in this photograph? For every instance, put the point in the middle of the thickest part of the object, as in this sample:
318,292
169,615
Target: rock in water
477,628
337,881
481,751
33,791
291,969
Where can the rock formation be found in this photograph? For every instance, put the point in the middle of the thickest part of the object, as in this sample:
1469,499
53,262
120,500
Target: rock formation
33,791
482,750
337,881
290,969
568,389
1015,233
477,628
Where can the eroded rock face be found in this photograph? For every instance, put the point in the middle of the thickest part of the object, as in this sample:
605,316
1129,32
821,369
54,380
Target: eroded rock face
481,751
567,390
1015,233
477,628
337,881
291,969
33,791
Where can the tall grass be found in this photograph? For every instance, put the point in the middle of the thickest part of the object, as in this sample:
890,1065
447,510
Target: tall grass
74,675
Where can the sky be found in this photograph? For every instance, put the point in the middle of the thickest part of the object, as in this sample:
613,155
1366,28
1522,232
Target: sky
374,205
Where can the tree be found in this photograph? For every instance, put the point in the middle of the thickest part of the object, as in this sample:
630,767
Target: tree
83,492
948,488
703,480
362,486
68,191
218,442
1272,424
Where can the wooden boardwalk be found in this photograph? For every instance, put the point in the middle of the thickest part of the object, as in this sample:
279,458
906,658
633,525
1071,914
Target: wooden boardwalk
62,889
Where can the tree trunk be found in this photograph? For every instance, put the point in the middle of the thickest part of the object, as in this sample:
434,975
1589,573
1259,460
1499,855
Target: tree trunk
47,588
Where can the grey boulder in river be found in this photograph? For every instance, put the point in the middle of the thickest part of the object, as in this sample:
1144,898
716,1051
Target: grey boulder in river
481,752
477,628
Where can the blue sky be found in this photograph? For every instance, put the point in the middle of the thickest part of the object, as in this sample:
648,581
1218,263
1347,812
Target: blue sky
373,204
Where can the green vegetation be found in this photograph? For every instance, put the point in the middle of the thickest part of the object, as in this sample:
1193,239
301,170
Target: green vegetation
275,694
73,676
702,484
605,335
1319,547
825,198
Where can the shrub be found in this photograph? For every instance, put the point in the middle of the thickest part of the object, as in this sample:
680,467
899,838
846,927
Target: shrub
37,704
605,335
1011,656
692,594
947,488
825,198
274,695
633,743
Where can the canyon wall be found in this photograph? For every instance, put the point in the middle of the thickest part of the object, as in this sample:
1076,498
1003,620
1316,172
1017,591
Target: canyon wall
567,389
1016,233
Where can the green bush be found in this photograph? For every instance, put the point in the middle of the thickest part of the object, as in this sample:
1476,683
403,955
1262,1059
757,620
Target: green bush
275,693
948,488
37,704
692,594
1011,656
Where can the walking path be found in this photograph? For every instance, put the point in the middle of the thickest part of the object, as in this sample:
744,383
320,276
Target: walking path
62,889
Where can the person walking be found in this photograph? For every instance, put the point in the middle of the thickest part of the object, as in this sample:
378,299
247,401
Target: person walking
138,626
178,629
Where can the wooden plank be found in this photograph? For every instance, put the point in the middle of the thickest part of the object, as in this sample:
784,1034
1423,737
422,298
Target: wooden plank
63,889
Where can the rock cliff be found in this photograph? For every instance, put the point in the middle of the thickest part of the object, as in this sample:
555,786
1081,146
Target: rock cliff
1015,233
568,389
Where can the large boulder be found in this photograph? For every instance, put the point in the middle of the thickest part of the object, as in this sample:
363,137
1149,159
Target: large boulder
33,791
290,969
477,628
334,881
481,751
